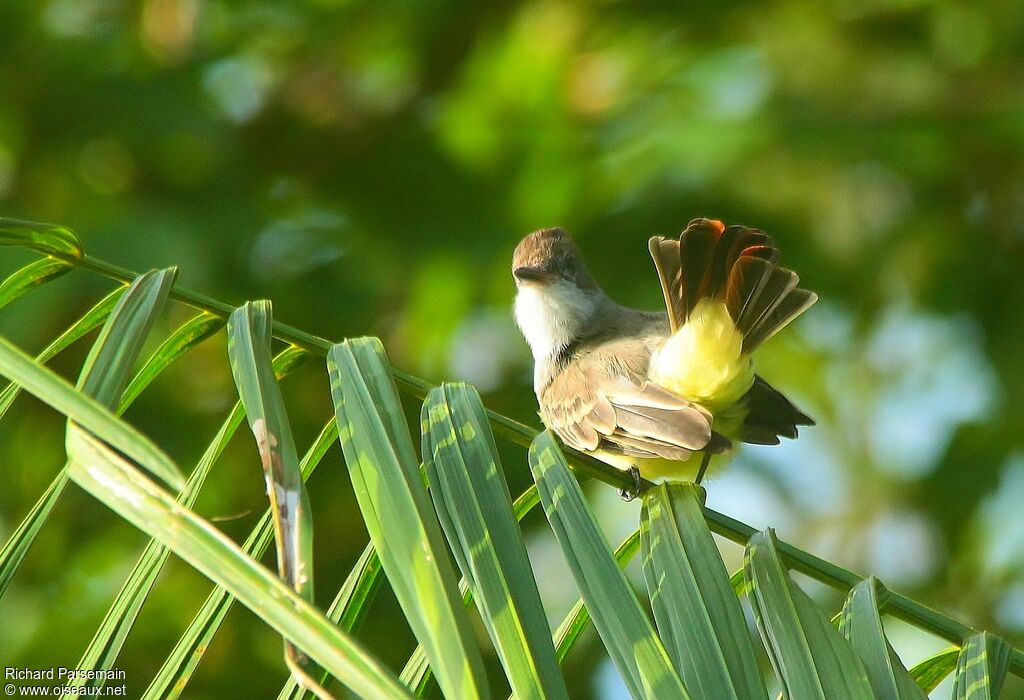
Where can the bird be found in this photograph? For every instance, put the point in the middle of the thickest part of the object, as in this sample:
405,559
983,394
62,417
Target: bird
644,391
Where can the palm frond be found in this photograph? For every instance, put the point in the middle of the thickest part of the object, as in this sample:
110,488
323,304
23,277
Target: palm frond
699,648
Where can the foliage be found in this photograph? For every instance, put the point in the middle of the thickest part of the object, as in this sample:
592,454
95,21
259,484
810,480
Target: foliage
370,165
697,645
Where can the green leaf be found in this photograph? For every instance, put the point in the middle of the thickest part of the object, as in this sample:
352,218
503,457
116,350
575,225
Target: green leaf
472,500
249,350
249,337
105,372
810,657
571,629
348,609
20,541
143,503
179,666
416,672
177,669
92,318
698,614
627,633
396,509
31,276
981,668
86,412
43,238
933,670
186,337
109,638
111,361
861,624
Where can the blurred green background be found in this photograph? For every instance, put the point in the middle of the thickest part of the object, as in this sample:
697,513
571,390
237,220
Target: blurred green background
369,167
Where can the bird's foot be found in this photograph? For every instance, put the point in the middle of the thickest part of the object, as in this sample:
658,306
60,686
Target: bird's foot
627,494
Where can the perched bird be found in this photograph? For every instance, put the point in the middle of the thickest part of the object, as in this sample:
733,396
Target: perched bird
643,391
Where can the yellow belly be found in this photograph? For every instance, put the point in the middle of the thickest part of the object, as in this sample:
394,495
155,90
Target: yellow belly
704,362
658,469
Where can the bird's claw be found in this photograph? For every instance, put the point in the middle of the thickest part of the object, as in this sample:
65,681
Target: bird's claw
626,494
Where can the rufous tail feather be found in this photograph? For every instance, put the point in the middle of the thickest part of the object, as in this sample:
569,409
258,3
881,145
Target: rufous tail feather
735,265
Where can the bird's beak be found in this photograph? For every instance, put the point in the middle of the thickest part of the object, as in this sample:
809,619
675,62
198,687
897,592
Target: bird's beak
534,275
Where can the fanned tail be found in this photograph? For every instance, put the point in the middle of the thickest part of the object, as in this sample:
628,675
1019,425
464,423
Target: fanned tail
734,265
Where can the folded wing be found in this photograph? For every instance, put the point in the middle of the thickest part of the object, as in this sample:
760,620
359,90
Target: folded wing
624,415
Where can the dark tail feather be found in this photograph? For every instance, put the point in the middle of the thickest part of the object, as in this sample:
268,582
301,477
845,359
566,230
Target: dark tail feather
687,267
697,253
670,272
736,265
776,284
770,415
789,307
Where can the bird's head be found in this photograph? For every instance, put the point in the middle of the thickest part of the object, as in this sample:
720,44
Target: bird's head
549,257
556,296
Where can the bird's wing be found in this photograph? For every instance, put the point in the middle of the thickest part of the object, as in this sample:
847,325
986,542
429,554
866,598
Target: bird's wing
589,408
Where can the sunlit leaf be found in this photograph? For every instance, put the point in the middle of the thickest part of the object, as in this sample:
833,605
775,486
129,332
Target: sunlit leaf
475,509
348,609
698,614
861,625
93,416
627,634
178,667
138,499
981,668
810,657
576,621
416,672
249,349
933,670
110,636
396,509
90,320
43,238
31,276
104,373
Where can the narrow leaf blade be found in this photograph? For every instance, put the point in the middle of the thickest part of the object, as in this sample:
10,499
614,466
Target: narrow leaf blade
981,668
103,375
933,670
33,275
347,610
113,630
138,499
576,621
249,350
88,413
113,356
473,503
698,614
861,624
397,512
416,672
49,239
810,657
90,320
249,338
624,628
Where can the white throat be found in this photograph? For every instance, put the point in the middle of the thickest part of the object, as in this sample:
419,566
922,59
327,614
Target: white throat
551,317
